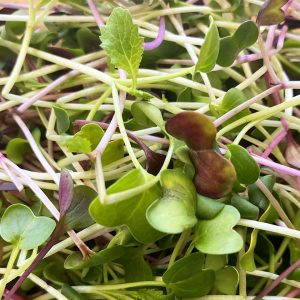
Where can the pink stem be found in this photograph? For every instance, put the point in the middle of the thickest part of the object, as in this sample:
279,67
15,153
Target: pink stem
53,85
278,167
278,280
160,36
281,37
294,293
246,104
270,37
274,143
95,13
14,5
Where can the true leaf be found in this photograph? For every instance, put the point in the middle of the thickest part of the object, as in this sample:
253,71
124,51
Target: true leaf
209,50
217,236
21,227
130,212
17,149
122,43
187,278
271,13
247,169
62,120
175,211
230,46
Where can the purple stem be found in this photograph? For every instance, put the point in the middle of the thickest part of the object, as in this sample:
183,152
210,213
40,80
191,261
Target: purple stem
95,13
278,280
277,139
281,37
246,104
54,238
14,5
294,293
53,85
160,36
278,167
13,297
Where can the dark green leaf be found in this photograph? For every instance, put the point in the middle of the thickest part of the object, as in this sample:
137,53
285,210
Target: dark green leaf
246,168
187,278
246,208
227,280
256,196
207,208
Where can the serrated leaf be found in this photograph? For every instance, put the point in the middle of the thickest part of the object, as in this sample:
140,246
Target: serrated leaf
121,41
209,50
246,168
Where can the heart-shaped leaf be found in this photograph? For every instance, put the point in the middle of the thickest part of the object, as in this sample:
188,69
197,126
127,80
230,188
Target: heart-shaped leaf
216,236
210,49
215,175
271,13
195,129
187,278
19,226
246,168
175,211
230,46
130,212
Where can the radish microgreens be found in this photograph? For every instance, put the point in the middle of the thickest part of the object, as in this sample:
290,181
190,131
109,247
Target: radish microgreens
163,139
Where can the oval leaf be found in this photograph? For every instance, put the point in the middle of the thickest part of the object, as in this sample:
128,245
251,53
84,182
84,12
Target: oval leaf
210,49
195,129
215,175
246,168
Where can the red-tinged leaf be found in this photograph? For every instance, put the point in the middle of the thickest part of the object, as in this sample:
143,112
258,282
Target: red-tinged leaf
215,175
65,194
271,13
7,186
195,129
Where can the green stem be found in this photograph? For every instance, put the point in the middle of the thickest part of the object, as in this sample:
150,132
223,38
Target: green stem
10,264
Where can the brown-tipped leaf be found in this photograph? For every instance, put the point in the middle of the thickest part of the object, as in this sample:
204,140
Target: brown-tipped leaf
215,175
65,194
271,13
195,129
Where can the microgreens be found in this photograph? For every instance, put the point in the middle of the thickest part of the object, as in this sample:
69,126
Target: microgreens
164,134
